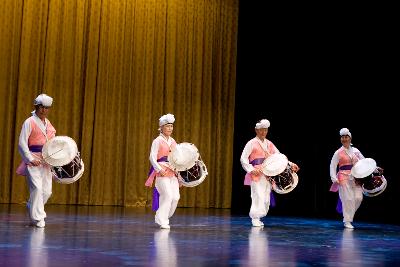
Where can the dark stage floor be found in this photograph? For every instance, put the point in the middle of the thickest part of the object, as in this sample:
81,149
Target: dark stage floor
116,236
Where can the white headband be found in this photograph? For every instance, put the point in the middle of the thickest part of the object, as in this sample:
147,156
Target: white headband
165,119
262,124
345,131
43,100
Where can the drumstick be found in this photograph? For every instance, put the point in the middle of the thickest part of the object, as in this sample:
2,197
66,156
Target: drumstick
52,154
43,160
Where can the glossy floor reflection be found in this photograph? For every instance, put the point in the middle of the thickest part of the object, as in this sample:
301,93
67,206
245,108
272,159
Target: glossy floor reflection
116,236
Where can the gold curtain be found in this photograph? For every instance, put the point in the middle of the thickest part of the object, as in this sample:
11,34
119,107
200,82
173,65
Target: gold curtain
113,68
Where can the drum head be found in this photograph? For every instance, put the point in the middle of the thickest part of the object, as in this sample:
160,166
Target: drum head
183,156
275,164
59,151
193,176
363,168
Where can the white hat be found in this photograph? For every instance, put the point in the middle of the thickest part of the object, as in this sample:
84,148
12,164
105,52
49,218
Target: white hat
264,123
43,100
167,118
345,131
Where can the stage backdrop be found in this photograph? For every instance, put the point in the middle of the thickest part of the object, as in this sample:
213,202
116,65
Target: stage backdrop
113,68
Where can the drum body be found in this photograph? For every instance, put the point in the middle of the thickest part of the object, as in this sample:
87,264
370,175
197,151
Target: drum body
284,182
366,175
61,153
280,173
186,161
70,172
193,176
373,184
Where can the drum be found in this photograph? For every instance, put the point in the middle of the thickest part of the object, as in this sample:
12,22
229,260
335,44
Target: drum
186,161
366,175
61,153
280,173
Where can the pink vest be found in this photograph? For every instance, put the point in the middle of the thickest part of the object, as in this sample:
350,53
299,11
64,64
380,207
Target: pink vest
343,175
345,159
163,151
36,138
258,153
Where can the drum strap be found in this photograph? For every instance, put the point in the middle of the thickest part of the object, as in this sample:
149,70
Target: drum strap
266,151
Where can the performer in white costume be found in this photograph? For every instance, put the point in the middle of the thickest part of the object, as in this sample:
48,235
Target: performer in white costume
36,131
350,193
253,155
167,185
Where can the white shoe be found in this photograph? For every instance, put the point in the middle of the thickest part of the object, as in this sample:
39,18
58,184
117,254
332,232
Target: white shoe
40,224
165,226
348,225
257,223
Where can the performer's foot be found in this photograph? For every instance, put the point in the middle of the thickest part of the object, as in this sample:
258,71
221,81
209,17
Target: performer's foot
165,226
257,223
157,221
40,224
348,225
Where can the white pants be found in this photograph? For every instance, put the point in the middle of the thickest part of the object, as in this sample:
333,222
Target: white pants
168,188
39,180
260,198
351,196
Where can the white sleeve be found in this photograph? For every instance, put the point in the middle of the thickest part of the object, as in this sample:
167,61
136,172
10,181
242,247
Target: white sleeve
244,159
23,147
153,155
334,163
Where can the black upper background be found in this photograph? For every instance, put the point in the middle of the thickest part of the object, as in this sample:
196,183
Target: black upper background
312,70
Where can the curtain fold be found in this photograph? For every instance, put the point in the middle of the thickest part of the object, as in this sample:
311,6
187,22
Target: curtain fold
113,68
